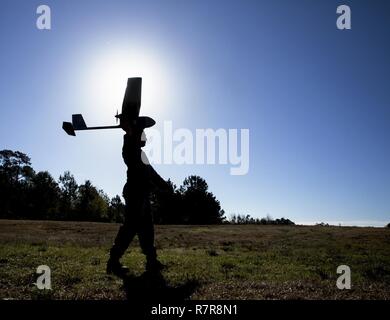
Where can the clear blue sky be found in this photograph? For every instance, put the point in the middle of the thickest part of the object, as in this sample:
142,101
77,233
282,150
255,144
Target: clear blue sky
316,99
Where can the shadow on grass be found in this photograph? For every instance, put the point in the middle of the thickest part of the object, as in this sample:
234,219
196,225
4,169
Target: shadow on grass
151,286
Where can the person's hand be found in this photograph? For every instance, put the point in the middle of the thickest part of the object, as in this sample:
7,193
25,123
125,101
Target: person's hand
167,187
164,187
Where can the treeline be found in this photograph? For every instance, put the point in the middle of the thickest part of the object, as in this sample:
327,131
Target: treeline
247,219
191,203
26,194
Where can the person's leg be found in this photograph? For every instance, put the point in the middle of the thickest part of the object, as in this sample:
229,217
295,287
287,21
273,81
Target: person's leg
123,239
146,238
125,234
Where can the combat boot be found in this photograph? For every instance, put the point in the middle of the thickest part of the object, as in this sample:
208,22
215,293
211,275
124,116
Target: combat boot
153,265
116,268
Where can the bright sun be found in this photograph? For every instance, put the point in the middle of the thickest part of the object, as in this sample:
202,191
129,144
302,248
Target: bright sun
107,78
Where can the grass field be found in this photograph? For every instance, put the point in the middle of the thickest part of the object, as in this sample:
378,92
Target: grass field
204,262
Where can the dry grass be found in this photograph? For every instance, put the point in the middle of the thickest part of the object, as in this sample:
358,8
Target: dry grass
227,262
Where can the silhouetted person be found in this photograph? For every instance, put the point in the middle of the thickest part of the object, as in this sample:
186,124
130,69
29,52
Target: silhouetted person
141,177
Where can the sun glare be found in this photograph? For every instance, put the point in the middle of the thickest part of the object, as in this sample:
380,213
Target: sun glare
107,78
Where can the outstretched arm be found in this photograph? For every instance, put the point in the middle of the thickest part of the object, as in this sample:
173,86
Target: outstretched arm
156,180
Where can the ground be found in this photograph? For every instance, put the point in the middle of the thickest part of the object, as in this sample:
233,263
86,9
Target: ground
204,262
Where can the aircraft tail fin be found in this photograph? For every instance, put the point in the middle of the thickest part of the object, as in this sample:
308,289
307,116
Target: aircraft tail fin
78,122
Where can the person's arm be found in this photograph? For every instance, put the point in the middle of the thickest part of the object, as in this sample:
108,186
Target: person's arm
157,181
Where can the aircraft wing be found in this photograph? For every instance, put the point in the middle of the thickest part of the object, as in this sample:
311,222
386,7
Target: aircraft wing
132,99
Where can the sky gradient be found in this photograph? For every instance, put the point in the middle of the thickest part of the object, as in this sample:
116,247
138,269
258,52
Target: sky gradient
315,99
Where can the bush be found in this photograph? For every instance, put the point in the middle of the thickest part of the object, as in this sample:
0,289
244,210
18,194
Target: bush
247,219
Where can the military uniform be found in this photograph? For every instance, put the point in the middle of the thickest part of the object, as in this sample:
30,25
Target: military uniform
141,177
